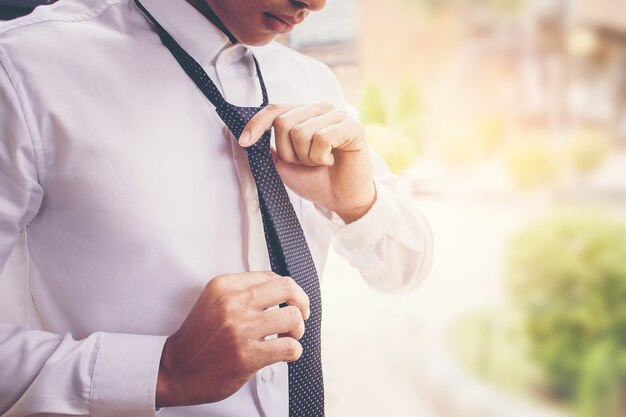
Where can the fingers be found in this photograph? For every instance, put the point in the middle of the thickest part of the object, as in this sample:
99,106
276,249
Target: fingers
283,349
306,134
261,122
260,290
232,282
284,126
311,145
284,321
277,291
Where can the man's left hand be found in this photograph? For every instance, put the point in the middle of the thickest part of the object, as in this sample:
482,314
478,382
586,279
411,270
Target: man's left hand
321,154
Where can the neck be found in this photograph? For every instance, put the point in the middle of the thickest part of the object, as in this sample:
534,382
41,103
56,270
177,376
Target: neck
203,7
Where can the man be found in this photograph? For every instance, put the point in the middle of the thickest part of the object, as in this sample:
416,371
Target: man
136,271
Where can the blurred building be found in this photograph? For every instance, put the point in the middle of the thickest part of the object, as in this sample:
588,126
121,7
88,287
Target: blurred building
330,34
605,14
604,48
575,64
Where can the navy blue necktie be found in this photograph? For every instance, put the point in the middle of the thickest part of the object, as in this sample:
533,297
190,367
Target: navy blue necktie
288,250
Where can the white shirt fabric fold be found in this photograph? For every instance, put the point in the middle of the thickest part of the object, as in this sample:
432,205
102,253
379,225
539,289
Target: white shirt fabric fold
122,194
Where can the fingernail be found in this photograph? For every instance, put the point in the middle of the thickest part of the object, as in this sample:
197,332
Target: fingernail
308,314
244,138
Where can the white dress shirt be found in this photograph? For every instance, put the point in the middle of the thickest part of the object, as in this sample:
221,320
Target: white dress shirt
122,193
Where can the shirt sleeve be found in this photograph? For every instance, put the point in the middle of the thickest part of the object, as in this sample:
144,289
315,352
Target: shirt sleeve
43,373
392,244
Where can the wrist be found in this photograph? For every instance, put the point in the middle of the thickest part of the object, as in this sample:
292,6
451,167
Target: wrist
354,213
163,388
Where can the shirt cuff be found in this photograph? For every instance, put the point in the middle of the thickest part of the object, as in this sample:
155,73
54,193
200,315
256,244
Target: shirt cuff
125,375
369,229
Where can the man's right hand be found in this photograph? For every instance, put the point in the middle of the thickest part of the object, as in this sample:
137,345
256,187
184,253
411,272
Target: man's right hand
221,343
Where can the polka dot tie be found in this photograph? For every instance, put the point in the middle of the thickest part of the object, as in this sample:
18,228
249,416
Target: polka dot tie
288,250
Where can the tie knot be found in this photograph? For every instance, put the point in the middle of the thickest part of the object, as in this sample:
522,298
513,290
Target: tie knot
262,145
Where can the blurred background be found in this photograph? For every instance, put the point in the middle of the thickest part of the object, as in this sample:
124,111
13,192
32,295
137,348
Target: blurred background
505,121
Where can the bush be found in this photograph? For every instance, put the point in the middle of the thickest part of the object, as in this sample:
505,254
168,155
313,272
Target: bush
568,275
395,137
491,343
397,148
586,150
409,106
372,105
407,114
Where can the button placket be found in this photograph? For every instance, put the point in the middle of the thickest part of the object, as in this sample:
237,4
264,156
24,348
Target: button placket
285,241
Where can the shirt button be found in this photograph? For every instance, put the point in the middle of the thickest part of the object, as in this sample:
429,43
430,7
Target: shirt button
266,375
253,205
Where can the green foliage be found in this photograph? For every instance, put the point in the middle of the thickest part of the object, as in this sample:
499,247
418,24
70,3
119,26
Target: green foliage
396,136
396,147
501,6
492,344
599,387
409,106
568,275
586,149
534,161
372,105
430,6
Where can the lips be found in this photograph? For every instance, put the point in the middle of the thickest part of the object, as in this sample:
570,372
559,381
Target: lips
282,24
290,20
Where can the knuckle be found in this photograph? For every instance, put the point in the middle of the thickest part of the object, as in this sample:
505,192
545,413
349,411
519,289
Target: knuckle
342,114
321,138
326,105
359,127
217,283
295,316
272,107
298,134
226,305
287,283
281,122
231,332
246,297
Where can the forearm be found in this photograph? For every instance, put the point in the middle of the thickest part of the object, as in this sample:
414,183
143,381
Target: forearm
105,374
391,245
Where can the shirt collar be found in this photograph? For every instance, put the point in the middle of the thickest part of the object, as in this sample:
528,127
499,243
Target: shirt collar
191,29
